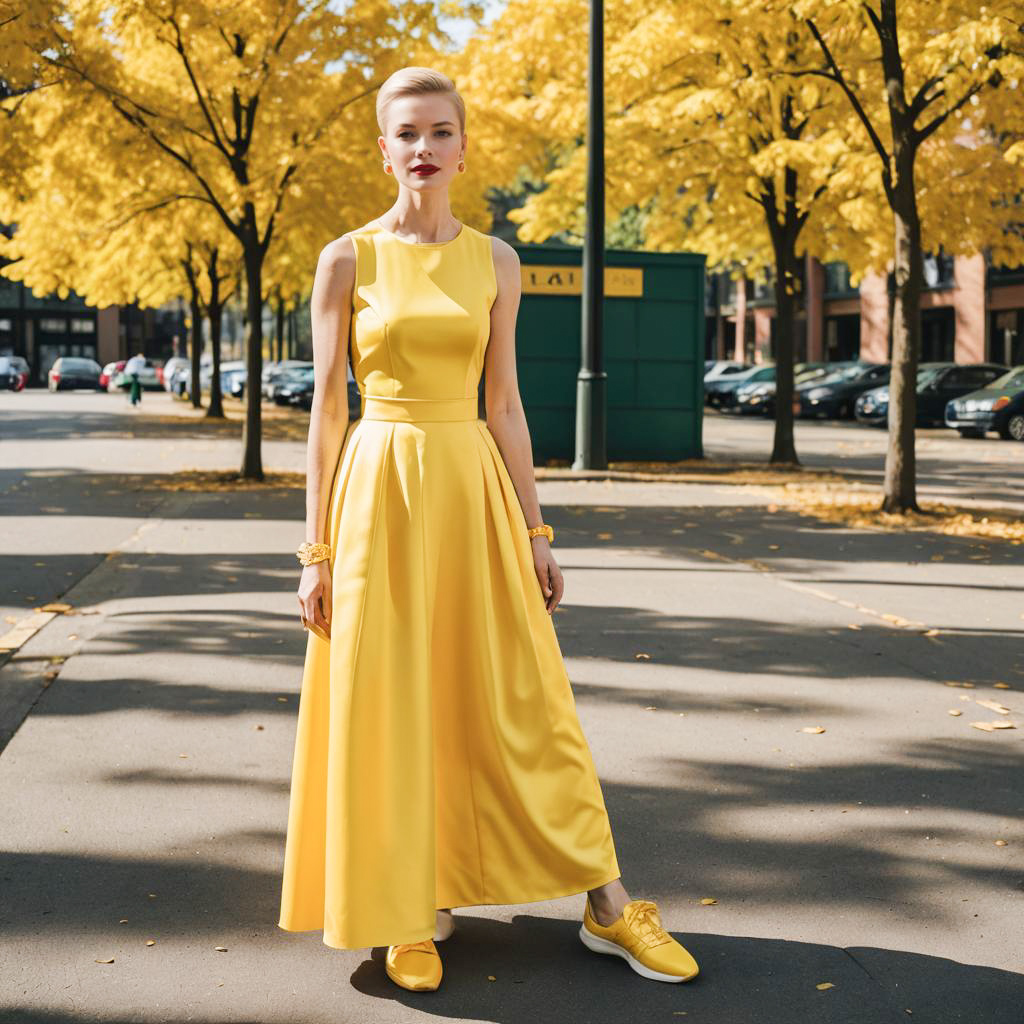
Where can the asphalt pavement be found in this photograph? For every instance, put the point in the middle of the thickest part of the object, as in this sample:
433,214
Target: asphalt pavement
767,697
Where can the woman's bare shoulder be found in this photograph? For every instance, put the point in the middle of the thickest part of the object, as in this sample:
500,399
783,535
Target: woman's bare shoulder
339,252
504,254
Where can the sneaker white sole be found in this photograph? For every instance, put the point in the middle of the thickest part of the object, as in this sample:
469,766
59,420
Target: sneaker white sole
599,945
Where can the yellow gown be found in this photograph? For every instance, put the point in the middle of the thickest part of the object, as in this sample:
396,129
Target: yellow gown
439,760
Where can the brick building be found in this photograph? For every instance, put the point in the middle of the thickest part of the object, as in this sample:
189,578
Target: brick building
970,312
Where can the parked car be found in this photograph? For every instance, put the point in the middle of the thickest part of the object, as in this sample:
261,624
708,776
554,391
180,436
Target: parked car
273,372
935,394
150,379
748,396
172,366
834,395
998,406
294,387
233,375
70,372
720,391
109,372
14,372
232,379
714,369
759,396
937,383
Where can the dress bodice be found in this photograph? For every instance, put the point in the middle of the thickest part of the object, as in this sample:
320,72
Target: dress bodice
420,314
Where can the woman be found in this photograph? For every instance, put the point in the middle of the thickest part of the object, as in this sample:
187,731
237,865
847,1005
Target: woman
439,760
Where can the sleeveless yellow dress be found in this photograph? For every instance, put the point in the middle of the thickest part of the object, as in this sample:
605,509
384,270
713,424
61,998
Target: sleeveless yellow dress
439,760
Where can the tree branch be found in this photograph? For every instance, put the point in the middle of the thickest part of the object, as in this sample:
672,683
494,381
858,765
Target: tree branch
859,110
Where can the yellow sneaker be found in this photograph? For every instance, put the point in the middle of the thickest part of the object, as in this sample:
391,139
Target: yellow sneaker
638,937
414,965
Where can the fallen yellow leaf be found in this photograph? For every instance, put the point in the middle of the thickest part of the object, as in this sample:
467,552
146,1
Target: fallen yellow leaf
955,711
707,901
813,728
110,961
993,706
822,985
1000,842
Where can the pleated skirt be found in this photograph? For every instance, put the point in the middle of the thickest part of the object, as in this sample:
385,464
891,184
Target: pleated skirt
439,760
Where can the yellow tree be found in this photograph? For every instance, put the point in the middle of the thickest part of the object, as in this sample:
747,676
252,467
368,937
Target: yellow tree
94,217
24,27
917,75
239,97
707,136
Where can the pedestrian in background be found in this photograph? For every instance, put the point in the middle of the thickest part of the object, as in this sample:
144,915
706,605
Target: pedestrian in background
133,368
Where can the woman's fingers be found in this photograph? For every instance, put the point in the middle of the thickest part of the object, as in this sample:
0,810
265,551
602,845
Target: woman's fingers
557,585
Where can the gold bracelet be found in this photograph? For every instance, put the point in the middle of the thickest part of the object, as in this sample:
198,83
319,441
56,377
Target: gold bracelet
309,554
536,531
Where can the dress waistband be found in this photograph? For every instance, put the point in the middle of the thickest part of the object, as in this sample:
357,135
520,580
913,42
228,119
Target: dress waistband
411,410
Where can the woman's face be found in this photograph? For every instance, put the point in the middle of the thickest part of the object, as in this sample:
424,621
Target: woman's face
422,131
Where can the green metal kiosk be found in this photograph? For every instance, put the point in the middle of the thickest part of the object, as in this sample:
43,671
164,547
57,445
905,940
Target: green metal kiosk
653,351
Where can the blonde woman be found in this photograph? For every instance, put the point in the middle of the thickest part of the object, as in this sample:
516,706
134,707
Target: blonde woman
439,761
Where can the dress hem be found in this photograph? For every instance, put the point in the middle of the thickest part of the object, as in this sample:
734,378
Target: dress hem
560,894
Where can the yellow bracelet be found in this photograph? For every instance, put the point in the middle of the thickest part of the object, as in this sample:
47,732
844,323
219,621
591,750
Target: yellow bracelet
536,531
309,554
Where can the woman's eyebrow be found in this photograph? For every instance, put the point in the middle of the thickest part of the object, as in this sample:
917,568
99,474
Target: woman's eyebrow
437,124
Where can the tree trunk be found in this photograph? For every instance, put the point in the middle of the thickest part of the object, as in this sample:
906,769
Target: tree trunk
900,460
252,459
280,328
783,448
195,387
216,407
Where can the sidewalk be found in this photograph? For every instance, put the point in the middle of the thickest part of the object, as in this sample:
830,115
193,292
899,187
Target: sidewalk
145,790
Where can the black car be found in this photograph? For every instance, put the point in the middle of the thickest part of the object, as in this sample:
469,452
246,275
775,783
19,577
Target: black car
835,394
998,406
720,392
294,387
936,383
74,372
935,393
759,396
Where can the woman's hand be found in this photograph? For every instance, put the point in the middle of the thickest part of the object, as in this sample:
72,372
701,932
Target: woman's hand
551,583
315,595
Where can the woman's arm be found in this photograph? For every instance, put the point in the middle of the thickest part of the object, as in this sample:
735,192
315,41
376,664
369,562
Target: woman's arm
506,419
330,313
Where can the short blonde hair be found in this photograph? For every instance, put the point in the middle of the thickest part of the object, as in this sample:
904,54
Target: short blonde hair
415,81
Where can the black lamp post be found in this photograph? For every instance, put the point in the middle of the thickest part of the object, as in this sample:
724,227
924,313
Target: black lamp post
591,383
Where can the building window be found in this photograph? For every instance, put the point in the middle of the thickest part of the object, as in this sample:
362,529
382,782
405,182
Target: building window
1006,337
82,326
938,270
53,325
837,281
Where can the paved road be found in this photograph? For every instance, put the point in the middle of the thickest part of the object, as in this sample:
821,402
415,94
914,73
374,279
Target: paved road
144,788
972,471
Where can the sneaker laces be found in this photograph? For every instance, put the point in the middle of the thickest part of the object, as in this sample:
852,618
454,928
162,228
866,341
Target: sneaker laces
644,913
